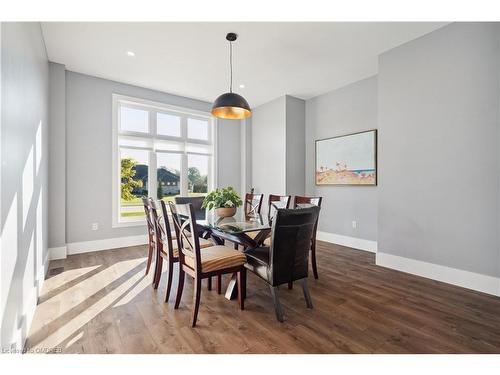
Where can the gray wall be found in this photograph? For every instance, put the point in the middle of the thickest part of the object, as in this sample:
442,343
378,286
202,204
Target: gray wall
269,147
278,150
347,110
438,148
246,156
295,145
24,160
229,155
57,155
89,153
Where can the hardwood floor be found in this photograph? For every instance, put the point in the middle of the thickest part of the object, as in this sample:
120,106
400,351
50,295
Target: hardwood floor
101,302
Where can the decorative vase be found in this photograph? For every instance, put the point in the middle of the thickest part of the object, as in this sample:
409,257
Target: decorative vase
225,211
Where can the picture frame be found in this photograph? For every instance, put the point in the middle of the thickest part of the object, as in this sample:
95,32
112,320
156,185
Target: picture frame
346,160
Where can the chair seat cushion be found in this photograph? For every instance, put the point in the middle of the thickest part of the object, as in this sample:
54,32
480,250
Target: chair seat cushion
258,261
215,258
203,244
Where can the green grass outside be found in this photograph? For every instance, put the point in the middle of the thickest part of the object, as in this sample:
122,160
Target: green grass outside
132,214
137,202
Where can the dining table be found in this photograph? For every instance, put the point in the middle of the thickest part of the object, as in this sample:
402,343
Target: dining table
243,230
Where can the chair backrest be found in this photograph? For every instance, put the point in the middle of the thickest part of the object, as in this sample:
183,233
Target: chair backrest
184,219
165,231
146,201
197,202
303,202
291,235
277,201
253,203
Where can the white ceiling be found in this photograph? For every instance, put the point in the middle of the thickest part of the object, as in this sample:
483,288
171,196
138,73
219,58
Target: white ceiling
191,59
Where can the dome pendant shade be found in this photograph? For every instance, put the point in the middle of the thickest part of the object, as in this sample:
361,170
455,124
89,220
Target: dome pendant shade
231,106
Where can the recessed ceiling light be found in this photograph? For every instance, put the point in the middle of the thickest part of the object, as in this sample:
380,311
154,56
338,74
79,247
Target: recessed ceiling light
130,53
242,86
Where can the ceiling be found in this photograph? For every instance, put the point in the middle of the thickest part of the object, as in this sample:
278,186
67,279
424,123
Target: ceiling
191,59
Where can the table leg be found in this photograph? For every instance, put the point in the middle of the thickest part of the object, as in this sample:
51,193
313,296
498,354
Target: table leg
232,291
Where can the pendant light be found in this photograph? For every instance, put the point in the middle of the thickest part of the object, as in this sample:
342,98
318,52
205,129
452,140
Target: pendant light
231,105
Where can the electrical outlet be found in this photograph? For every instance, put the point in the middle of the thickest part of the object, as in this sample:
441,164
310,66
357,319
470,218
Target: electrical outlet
354,224
95,226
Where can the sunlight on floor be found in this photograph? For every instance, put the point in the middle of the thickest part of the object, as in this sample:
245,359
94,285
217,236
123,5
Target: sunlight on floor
133,293
84,300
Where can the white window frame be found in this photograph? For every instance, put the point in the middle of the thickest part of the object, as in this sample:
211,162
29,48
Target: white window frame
153,108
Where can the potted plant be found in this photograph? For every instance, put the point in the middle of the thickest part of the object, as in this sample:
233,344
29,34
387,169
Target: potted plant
224,201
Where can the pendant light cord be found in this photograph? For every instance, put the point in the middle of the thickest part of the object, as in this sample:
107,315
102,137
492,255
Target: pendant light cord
231,66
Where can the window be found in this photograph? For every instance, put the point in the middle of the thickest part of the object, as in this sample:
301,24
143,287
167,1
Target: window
134,120
197,129
159,151
168,124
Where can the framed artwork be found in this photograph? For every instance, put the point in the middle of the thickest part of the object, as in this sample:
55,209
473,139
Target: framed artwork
347,160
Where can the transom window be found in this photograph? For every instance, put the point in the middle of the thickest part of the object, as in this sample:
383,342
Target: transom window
160,151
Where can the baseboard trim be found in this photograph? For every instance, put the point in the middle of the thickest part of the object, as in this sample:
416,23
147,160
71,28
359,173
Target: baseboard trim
465,279
105,244
57,252
355,243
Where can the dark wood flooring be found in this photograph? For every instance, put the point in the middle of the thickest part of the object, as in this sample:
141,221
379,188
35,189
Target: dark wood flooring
101,302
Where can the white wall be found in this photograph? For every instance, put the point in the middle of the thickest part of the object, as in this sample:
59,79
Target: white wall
24,177
439,149
350,109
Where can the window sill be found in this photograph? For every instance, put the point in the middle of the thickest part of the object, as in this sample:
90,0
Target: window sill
125,224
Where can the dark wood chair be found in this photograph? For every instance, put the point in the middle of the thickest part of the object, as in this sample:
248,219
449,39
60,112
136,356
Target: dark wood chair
287,258
304,202
197,203
151,232
166,245
253,203
212,261
277,201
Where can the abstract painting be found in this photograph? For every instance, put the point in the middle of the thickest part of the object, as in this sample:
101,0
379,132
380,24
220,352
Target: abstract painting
347,160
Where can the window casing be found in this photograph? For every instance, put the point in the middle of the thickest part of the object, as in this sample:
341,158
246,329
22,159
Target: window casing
172,150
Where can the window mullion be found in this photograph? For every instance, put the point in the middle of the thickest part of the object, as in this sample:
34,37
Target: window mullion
153,181
184,180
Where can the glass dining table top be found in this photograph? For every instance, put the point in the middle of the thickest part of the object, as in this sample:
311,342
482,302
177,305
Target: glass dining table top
239,223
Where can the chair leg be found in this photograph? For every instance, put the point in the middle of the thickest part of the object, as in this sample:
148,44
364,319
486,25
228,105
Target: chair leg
277,305
150,256
307,295
244,283
180,287
219,284
196,299
169,278
159,266
290,285
313,260
241,288
209,283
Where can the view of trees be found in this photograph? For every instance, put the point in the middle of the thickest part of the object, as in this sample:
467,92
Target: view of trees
132,174
128,183
196,182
